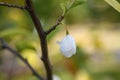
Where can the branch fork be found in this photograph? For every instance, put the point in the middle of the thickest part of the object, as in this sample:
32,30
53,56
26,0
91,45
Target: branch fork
42,36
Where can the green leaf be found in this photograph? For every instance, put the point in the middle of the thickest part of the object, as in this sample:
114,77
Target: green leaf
24,44
68,4
13,32
77,3
63,7
114,3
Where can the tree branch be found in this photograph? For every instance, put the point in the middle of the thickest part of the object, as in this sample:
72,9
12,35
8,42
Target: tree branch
11,5
56,24
42,36
4,45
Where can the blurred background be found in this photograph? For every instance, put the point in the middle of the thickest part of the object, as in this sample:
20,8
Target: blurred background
94,25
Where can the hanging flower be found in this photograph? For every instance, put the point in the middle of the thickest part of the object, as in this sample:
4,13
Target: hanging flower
67,46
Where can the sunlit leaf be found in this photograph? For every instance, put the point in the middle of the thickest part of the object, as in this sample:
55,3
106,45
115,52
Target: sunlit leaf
114,3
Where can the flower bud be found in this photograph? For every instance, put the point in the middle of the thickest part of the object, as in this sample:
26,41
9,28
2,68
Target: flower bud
67,46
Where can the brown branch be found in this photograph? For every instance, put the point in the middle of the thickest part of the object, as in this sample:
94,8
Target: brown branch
42,36
56,24
4,45
11,5
41,33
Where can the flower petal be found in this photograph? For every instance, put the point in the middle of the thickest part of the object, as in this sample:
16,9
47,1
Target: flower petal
68,46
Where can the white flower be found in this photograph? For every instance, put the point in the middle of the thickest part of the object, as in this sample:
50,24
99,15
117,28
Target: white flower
56,77
68,46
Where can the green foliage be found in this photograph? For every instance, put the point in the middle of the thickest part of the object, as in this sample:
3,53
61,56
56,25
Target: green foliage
17,29
77,3
17,2
62,5
80,58
23,45
115,4
69,4
13,32
108,74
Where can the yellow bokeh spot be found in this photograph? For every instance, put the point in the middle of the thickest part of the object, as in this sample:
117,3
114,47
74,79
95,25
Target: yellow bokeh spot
82,75
32,58
15,14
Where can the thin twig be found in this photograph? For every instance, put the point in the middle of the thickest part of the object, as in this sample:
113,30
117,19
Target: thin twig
4,45
56,24
11,5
